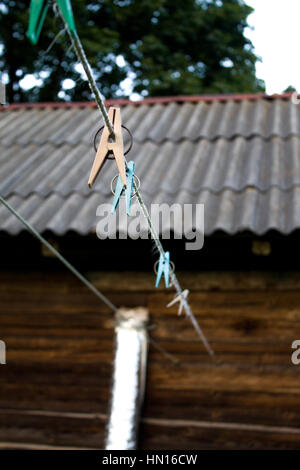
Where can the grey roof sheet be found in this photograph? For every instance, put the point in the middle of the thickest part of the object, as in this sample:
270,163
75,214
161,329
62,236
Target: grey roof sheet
241,158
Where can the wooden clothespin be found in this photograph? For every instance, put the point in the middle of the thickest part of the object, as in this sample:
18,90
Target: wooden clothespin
106,146
163,267
128,189
179,298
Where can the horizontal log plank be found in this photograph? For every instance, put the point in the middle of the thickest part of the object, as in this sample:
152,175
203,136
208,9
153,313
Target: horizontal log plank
143,281
89,431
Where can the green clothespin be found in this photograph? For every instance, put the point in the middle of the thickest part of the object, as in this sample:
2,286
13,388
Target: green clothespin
38,11
67,12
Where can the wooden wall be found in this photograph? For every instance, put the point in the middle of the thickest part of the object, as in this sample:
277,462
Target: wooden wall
54,389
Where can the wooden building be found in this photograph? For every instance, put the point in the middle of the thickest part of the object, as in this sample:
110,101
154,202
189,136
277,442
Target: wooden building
240,156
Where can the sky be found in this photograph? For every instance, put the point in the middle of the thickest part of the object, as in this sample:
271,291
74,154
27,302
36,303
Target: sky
276,38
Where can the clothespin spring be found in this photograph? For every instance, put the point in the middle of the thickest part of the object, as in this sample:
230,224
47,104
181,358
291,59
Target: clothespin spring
108,157
164,266
120,190
172,269
137,184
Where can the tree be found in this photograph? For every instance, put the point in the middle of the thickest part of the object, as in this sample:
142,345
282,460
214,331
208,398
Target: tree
168,47
290,89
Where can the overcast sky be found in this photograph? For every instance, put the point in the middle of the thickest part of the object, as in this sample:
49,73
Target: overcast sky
276,39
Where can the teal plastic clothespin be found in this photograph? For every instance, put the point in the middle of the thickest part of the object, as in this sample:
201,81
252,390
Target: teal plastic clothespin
38,11
128,189
163,267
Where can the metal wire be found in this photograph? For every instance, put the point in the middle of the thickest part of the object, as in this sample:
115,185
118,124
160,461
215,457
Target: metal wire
34,232
60,33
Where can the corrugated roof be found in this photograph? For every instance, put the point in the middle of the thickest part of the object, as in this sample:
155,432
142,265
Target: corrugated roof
239,155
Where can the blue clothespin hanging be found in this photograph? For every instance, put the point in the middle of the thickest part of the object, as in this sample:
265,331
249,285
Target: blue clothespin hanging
38,11
163,267
128,189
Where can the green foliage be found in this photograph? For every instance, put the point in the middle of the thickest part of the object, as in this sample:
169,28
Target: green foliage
170,47
290,89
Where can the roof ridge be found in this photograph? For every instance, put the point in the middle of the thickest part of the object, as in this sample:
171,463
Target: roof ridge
150,101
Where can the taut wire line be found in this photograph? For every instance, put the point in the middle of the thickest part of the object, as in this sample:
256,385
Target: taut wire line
34,232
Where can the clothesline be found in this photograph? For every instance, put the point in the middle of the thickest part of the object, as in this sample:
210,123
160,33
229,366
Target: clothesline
58,255
77,45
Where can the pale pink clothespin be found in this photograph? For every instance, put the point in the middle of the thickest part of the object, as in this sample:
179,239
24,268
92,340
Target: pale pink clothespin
179,298
106,146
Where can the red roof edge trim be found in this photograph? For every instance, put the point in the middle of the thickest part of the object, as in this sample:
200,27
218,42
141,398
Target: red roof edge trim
149,101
